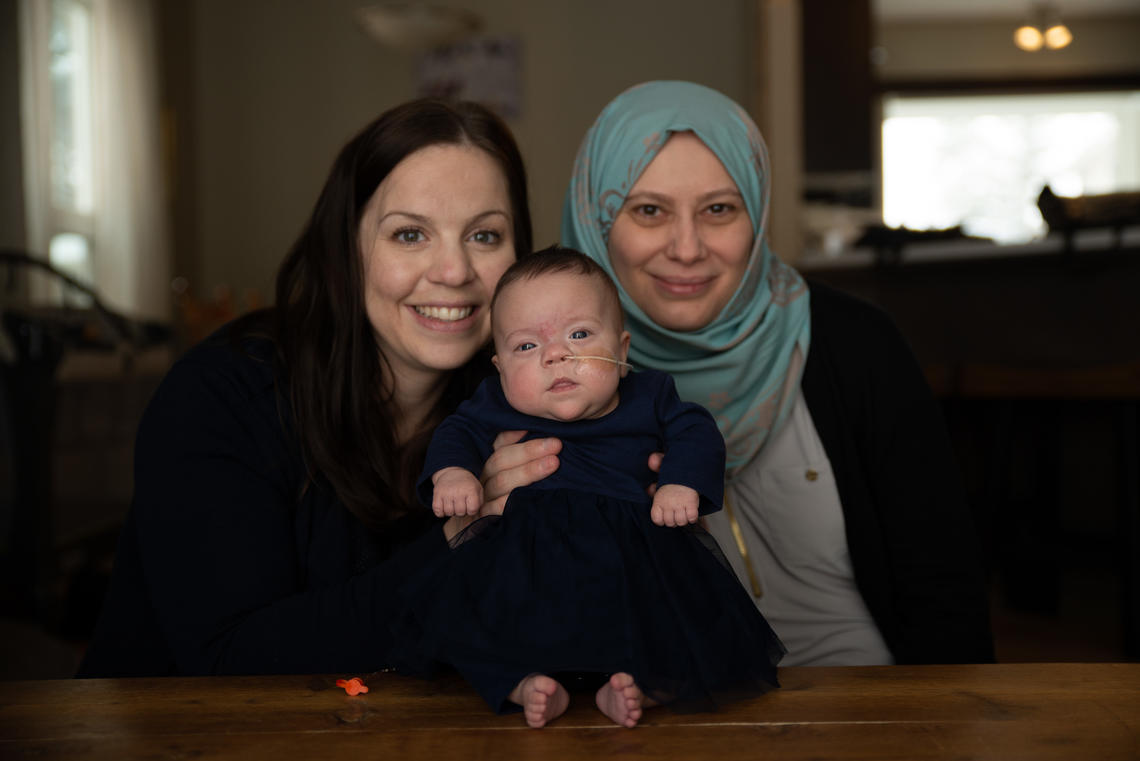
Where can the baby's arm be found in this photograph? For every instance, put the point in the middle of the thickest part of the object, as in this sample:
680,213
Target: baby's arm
675,505
456,492
692,468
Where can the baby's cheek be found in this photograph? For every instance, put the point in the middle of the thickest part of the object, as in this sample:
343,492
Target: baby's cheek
512,390
594,368
521,392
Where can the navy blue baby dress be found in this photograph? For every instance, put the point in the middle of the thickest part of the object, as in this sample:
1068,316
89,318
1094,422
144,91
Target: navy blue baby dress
574,577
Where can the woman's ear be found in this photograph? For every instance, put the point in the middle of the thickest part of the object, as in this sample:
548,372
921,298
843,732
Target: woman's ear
495,362
624,353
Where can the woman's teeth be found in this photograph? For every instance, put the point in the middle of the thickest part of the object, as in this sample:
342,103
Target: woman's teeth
446,314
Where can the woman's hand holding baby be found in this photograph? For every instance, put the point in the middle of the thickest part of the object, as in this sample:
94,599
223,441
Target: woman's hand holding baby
515,464
511,465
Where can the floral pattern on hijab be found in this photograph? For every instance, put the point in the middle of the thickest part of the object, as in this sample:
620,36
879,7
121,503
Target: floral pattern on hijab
745,365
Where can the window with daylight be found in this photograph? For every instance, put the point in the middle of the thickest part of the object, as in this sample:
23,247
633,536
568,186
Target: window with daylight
92,160
58,49
980,161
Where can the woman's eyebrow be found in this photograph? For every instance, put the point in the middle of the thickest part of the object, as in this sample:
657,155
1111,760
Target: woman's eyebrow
425,220
655,197
419,218
733,191
647,195
489,213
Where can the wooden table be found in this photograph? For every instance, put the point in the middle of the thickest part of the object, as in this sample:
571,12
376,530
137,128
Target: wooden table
1007,712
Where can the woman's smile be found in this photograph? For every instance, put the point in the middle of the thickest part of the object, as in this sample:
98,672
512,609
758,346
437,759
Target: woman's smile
683,287
446,314
448,319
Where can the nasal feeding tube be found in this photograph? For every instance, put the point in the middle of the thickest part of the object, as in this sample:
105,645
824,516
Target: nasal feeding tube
581,365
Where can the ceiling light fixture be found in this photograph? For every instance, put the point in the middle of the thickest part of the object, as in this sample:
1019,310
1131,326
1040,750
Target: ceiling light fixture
1057,36
1044,30
1029,38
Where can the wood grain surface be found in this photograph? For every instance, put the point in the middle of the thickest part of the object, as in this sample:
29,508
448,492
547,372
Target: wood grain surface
1005,711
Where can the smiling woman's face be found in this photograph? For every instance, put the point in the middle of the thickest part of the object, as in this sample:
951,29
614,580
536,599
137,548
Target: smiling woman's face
436,236
680,243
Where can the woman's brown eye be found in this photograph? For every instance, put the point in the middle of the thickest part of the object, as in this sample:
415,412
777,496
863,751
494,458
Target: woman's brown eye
486,237
409,235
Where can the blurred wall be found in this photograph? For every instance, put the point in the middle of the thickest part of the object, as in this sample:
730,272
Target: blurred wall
264,92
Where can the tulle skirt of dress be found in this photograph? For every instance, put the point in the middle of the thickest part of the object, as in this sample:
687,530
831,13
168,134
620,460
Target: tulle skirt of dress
566,581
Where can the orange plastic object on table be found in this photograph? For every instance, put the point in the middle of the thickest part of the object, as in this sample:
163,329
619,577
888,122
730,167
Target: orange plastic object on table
352,686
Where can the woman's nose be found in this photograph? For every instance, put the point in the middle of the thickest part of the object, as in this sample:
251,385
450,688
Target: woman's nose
451,265
687,245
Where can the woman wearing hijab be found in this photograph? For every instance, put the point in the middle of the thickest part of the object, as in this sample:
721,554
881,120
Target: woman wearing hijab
844,513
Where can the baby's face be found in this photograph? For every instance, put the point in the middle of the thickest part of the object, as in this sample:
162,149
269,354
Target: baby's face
540,325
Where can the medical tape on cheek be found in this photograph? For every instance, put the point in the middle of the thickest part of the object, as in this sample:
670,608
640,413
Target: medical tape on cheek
584,361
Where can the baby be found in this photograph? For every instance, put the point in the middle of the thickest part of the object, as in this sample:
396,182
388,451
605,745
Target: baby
560,358
584,573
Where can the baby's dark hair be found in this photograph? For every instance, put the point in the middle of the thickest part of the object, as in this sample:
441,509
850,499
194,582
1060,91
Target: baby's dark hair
553,260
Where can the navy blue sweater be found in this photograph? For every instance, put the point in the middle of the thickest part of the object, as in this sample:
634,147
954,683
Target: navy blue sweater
227,563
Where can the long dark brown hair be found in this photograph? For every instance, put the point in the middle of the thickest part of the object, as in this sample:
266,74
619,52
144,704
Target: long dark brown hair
327,355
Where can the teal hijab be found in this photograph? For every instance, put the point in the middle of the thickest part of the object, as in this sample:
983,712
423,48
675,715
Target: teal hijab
744,366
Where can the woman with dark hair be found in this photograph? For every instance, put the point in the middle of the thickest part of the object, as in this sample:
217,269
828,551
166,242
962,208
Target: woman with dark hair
274,510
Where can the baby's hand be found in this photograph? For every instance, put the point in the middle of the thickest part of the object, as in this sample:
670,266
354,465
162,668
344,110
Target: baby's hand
457,492
675,505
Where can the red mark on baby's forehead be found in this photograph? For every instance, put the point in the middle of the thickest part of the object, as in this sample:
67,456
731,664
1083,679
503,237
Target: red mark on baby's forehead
546,328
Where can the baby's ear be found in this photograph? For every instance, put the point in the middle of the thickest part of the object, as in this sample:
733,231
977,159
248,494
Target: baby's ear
624,354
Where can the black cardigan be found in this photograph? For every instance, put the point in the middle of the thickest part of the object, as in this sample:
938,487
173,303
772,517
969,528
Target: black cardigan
915,554
224,565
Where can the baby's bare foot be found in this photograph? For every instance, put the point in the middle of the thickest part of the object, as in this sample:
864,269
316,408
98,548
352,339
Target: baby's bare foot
541,698
621,699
